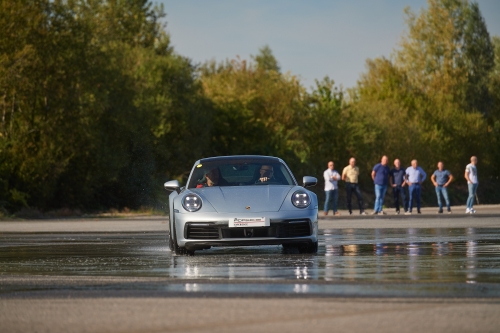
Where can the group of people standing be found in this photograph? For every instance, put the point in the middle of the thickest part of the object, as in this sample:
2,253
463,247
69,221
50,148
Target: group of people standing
397,178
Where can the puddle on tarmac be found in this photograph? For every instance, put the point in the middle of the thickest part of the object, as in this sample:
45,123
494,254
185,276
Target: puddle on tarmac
348,255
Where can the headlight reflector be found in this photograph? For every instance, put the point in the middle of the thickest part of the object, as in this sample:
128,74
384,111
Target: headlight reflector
301,199
191,202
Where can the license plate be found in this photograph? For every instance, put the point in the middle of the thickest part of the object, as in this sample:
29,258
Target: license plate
249,222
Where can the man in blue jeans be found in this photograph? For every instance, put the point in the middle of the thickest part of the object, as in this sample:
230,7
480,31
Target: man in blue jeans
397,181
380,176
331,188
471,176
415,175
441,178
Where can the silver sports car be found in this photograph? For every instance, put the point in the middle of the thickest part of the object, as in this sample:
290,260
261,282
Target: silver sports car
241,201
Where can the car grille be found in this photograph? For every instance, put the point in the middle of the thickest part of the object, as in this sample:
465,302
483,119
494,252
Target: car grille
282,229
291,229
195,231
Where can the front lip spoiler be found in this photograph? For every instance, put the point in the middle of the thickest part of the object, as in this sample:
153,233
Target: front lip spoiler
191,246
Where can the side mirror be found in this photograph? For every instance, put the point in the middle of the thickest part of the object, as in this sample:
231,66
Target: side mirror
309,181
172,185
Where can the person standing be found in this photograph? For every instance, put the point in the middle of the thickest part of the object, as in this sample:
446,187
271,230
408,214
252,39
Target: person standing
350,175
472,182
415,175
441,178
331,188
380,176
398,181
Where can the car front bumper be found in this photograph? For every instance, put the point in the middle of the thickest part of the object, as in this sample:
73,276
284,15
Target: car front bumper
197,231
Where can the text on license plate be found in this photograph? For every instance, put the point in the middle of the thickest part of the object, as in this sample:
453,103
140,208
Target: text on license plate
249,222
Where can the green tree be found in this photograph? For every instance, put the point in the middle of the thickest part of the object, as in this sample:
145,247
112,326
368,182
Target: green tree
97,109
256,111
265,60
425,92
326,127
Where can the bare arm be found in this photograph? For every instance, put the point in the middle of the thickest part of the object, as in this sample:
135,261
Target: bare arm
433,179
373,175
449,180
466,175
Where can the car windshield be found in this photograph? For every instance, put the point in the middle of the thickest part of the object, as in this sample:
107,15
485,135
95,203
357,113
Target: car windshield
240,172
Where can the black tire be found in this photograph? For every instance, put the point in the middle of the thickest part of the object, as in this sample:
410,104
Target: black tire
172,244
290,249
182,251
309,248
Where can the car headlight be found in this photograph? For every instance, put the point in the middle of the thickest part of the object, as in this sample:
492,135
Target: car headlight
191,202
301,199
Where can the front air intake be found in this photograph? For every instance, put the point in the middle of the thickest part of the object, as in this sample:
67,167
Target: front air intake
294,228
202,231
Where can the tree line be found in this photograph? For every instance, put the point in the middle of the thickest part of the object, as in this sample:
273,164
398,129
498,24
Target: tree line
98,110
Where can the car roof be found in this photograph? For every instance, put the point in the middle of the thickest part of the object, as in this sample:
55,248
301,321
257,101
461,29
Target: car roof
241,158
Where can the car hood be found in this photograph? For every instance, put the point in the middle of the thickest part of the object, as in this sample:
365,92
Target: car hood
236,199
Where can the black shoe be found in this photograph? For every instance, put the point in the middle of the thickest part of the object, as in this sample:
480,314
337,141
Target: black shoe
419,212
440,212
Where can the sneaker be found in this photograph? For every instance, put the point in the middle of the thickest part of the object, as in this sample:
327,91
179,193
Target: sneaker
440,212
467,211
407,213
380,213
449,212
472,211
373,213
419,212
362,213
397,212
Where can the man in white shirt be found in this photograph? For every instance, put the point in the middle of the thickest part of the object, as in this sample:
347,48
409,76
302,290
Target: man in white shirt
331,188
472,182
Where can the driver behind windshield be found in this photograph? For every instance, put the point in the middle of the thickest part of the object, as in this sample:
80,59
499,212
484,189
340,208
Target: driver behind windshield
266,173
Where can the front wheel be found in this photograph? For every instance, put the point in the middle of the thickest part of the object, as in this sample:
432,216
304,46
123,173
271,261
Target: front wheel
172,244
309,248
303,248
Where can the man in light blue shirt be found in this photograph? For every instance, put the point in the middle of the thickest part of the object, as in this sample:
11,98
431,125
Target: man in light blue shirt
441,178
415,175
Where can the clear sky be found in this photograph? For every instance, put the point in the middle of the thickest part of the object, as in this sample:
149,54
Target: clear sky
311,39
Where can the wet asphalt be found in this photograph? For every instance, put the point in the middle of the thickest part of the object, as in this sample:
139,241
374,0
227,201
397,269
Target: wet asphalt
364,262
387,274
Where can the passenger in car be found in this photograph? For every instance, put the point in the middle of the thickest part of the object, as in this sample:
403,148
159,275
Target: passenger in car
212,178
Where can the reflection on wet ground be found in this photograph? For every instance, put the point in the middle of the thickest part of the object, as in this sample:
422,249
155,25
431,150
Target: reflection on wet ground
345,255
